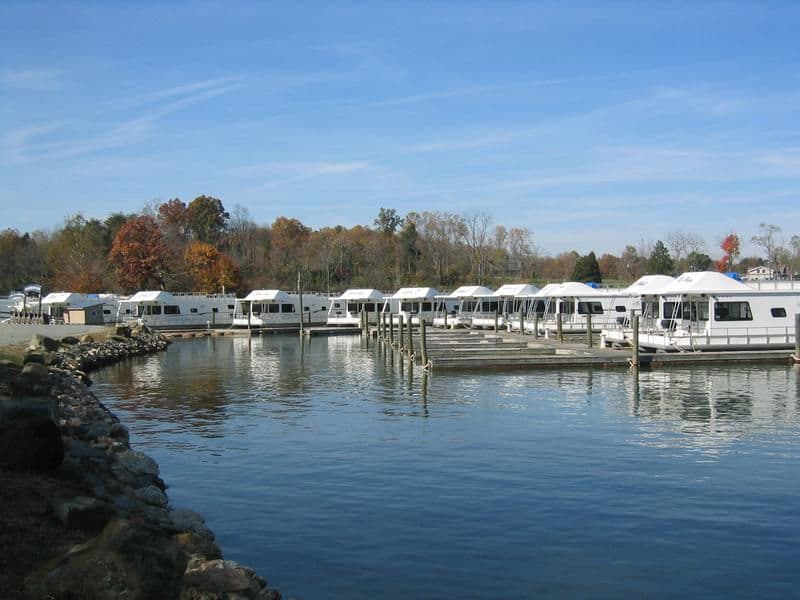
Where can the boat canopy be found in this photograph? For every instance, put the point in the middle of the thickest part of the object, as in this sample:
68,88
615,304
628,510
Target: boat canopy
361,294
648,285
516,290
415,293
267,296
570,289
153,296
703,282
467,291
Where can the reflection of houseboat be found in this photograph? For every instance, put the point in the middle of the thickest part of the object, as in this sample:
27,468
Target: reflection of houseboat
573,301
710,311
279,309
507,301
100,308
346,309
458,305
413,303
178,309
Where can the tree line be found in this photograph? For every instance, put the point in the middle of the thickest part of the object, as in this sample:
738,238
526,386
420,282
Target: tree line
201,246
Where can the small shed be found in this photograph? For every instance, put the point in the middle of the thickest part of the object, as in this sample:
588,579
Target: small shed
84,315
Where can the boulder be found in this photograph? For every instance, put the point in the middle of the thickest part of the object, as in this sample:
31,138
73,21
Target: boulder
35,372
83,512
30,443
87,339
126,560
151,495
122,331
185,519
70,340
33,356
223,577
198,545
42,342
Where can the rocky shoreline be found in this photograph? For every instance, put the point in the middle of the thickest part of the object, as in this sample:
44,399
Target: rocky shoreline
62,447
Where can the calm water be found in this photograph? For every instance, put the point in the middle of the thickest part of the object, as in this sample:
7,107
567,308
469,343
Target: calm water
336,474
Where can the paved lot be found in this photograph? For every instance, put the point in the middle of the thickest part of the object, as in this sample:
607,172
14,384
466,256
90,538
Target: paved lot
17,335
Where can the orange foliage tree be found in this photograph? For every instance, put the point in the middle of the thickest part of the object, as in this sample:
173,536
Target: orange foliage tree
209,269
730,252
138,255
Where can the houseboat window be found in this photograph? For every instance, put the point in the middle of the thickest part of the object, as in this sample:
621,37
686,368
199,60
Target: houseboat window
650,309
732,311
191,310
369,307
620,309
106,311
156,310
273,308
306,308
230,307
595,308
215,310
673,310
172,309
352,307
337,305
287,308
427,306
407,306
778,312
257,308
567,307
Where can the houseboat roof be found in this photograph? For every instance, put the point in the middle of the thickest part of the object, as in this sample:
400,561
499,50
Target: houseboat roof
516,289
416,292
468,291
152,296
648,284
361,294
262,295
704,282
572,289
61,297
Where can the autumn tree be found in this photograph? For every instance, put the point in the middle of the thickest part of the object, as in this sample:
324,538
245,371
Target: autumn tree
77,256
632,264
767,239
206,219
22,260
138,255
288,249
609,266
209,269
730,250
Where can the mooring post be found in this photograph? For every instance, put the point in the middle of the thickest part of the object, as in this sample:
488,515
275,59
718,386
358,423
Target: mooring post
400,331
535,325
796,356
445,317
423,342
496,329
300,293
391,328
364,322
521,321
559,328
635,345
410,345
589,330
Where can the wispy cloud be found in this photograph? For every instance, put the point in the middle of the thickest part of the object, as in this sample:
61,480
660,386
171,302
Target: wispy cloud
29,79
280,173
183,91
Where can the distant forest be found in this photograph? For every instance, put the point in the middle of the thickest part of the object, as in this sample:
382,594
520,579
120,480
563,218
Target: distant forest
200,246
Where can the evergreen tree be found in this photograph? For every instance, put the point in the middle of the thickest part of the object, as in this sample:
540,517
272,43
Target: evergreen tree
660,262
586,269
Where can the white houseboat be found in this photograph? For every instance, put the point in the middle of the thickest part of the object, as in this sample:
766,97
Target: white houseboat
710,311
507,300
456,308
346,309
57,306
413,304
161,309
280,310
573,301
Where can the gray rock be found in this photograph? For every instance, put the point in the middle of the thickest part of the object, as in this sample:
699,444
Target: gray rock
138,463
33,356
224,576
87,339
70,340
200,546
151,495
189,520
35,372
42,342
30,444
82,512
126,560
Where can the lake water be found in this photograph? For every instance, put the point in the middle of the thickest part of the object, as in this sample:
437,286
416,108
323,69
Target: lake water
334,473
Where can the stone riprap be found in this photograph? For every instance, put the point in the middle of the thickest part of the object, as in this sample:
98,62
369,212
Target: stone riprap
137,545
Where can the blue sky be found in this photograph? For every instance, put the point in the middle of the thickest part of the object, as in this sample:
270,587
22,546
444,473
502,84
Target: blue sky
594,124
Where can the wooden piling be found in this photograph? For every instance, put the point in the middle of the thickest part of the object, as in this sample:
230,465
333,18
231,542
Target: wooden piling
445,317
391,329
559,328
536,325
796,357
300,293
496,328
521,321
401,341
635,344
410,345
589,330
423,342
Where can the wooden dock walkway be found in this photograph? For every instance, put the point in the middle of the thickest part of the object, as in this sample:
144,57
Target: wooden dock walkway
471,350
